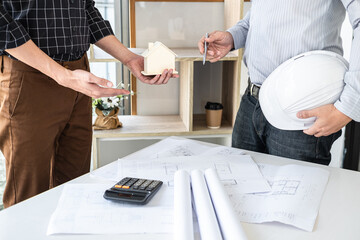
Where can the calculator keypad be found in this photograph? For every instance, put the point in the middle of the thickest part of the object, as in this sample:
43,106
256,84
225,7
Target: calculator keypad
152,185
133,190
137,184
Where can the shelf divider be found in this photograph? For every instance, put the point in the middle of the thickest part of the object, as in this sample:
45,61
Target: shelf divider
186,93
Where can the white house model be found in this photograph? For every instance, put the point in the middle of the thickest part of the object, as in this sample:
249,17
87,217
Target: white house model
157,58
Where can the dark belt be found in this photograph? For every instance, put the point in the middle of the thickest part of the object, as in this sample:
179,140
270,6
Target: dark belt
253,90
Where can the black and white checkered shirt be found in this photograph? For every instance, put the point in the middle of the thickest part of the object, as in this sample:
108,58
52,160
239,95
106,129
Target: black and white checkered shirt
63,29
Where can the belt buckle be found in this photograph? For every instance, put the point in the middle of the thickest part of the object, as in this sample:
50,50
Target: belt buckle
251,89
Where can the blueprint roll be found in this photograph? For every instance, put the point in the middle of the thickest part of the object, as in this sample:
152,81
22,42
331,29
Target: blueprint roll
183,219
209,227
228,220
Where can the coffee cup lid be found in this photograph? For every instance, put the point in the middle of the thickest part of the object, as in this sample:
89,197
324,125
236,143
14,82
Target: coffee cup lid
213,106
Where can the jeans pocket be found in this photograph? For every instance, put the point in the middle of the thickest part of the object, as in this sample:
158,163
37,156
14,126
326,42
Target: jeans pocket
10,90
323,147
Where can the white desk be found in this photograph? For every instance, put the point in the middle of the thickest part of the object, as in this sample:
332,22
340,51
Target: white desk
339,216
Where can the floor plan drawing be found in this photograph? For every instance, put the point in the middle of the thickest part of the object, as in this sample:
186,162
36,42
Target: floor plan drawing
284,187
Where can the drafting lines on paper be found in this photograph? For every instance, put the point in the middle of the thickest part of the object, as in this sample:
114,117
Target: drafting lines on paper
169,171
182,151
176,151
229,182
284,187
222,168
229,151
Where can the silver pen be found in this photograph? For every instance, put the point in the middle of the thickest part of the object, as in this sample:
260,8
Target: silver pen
204,57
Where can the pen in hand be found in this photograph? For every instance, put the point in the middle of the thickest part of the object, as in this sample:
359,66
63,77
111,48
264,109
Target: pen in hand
205,51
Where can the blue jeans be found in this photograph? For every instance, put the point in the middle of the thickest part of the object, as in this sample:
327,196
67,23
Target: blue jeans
253,132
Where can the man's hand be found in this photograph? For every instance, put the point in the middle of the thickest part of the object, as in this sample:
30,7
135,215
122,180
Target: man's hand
328,120
220,44
136,65
78,80
89,84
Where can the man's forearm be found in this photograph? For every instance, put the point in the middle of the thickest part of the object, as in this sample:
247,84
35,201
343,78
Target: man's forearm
115,48
31,55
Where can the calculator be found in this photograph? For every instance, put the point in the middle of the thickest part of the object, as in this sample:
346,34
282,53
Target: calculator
133,190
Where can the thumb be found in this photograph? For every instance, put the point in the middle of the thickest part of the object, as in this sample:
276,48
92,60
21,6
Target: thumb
212,37
307,114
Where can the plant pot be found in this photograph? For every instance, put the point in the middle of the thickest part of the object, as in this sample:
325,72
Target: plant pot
107,120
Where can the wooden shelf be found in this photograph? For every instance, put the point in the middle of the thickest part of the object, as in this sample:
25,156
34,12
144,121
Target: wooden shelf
201,128
190,54
134,126
183,55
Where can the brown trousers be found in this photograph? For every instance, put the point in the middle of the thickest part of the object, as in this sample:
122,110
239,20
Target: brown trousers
45,130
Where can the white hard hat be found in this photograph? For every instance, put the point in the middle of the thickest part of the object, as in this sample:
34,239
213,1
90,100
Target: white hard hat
304,82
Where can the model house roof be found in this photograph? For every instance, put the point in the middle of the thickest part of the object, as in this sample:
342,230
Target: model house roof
154,46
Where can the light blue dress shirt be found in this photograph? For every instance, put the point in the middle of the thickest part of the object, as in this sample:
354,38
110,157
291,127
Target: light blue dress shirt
273,31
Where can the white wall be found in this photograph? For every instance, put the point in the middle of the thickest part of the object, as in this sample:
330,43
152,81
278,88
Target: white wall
170,23
176,24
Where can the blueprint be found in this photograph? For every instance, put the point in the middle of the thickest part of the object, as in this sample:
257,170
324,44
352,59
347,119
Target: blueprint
290,194
295,197
223,151
172,147
237,171
168,147
161,160
83,210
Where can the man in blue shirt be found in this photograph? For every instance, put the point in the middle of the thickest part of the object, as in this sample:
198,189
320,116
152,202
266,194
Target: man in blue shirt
271,33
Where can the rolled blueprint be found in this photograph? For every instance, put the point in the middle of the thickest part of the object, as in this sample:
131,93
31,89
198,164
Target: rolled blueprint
209,227
228,220
183,220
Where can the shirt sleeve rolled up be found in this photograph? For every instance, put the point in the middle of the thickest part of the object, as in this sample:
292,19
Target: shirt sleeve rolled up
12,32
99,27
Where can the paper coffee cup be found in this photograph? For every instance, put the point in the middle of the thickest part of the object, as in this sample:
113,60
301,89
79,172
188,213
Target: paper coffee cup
213,114
213,118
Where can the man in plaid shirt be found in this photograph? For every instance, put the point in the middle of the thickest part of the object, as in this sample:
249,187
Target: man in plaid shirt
46,90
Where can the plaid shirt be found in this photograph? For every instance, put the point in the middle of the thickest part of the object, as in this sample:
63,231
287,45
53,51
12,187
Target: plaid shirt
63,29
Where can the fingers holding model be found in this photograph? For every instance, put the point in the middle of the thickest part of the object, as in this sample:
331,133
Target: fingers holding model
134,62
136,65
219,44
